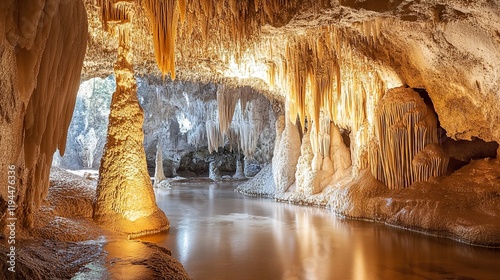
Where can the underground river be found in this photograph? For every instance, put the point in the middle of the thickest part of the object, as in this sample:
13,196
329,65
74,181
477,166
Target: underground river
219,234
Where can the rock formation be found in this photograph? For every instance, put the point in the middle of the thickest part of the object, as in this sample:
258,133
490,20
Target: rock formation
125,200
42,49
406,148
159,173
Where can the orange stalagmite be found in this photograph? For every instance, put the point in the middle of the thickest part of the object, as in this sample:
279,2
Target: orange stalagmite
125,200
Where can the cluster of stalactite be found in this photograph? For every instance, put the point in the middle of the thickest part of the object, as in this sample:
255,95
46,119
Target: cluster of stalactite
321,72
318,70
240,131
226,104
214,137
115,11
223,28
406,147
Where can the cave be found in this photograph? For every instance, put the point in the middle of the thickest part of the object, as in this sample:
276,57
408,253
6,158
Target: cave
280,139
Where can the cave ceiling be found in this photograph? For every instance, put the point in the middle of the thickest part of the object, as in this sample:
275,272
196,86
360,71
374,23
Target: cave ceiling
450,48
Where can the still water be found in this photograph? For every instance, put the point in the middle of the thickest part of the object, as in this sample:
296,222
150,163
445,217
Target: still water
219,234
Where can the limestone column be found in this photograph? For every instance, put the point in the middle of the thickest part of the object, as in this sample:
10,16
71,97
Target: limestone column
125,200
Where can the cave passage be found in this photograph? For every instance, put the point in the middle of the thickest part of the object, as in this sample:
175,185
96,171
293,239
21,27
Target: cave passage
219,234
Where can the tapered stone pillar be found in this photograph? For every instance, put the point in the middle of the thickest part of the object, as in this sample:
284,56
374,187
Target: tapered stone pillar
125,200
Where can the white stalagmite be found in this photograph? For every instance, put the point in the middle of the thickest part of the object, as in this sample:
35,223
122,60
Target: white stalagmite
286,155
305,174
159,174
339,153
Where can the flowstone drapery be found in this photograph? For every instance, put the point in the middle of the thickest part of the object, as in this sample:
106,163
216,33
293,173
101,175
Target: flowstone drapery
406,148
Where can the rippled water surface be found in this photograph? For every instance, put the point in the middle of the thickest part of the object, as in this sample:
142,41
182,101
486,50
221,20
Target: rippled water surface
219,234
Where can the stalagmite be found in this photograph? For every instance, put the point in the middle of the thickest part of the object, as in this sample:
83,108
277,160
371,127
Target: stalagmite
125,200
286,155
307,171
432,161
405,127
239,173
159,174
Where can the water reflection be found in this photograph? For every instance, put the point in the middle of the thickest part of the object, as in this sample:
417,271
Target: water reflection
219,234
122,257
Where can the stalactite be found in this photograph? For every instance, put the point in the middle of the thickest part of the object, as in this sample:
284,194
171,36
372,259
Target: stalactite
233,137
226,104
197,136
249,136
45,62
164,17
214,136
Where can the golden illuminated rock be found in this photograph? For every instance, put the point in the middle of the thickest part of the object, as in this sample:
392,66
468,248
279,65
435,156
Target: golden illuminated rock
125,200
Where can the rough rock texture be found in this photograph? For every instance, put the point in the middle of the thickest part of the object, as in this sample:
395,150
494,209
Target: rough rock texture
239,173
125,200
42,47
213,172
65,243
261,184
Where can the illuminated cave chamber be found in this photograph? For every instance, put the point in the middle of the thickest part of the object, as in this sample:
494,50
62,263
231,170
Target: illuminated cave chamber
353,135
184,117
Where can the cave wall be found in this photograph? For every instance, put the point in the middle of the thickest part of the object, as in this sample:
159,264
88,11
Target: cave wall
43,44
87,130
